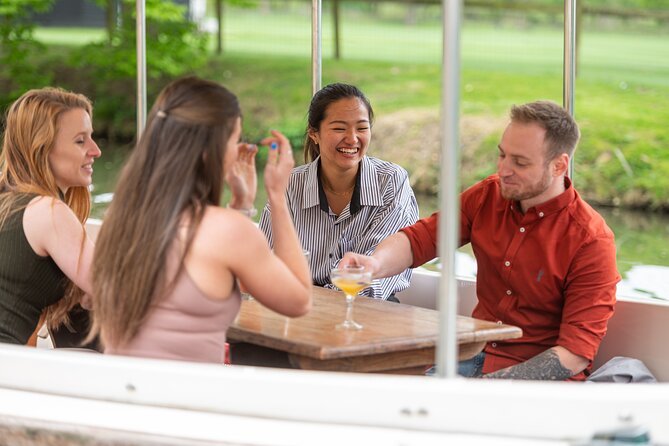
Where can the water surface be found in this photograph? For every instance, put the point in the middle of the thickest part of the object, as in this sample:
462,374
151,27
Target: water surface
642,238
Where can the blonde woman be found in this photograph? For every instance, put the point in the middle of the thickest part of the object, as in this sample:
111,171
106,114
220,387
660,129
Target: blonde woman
168,258
46,167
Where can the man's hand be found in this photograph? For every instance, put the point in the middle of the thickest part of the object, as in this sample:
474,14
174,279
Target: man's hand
555,364
392,256
368,262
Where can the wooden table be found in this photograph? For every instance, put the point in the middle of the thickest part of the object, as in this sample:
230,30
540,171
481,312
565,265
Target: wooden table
395,337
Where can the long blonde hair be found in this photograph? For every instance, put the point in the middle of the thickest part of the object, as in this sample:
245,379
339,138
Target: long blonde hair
31,127
174,172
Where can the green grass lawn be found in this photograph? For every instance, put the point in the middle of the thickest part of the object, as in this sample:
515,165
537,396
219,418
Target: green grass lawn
622,93
70,36
622,96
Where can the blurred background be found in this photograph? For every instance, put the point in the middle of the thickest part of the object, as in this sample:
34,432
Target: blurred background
511,53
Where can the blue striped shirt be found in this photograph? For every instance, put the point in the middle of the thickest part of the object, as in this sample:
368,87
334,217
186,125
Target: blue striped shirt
382,203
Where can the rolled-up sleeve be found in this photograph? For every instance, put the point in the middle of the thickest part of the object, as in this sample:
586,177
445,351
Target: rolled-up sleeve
590,296
423,239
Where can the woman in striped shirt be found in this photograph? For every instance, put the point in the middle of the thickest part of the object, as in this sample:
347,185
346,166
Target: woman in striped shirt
342,200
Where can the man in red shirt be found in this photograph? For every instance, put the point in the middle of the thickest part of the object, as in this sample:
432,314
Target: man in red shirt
546,259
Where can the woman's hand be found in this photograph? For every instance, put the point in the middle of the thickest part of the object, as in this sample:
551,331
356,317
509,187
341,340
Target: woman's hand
242,177
280,163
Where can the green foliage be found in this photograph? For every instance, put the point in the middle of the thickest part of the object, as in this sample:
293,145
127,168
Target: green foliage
174,46
18,48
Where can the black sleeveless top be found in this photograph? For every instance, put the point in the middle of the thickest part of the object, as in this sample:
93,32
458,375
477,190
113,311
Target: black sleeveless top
28,283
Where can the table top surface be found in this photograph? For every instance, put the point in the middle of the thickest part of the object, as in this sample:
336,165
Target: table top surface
387,327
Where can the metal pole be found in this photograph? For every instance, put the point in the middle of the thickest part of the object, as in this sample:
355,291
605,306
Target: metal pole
569,63
447,348
316,55
141,67
219,34
335,24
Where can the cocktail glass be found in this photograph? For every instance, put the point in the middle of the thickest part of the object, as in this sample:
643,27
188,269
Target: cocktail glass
351,280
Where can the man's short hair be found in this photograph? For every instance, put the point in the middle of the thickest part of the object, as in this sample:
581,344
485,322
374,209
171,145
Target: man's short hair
562,132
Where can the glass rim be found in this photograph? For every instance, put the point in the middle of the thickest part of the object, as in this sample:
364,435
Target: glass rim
351,269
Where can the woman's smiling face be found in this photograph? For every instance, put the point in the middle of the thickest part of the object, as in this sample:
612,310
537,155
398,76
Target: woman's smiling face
74,150
344,133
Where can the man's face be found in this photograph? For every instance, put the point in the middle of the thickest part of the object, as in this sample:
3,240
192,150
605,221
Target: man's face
524,172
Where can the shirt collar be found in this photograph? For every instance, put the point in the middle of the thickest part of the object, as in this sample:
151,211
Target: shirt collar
354,205
553,205
310,193
558,203
368,182
365,193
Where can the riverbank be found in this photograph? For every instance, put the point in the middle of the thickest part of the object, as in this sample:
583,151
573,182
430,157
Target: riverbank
621,93
642,237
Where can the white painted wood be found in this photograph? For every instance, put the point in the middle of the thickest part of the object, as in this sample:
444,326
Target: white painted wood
424,286
262,405
128,423
638,329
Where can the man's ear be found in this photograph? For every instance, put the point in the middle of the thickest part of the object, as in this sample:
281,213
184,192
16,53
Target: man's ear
560,164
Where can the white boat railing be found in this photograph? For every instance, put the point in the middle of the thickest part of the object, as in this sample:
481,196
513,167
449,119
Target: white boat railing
254,405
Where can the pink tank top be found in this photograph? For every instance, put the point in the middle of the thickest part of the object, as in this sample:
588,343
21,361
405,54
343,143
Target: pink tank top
186,325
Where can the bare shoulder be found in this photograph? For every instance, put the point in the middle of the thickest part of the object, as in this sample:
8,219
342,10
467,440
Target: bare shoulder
47,220
45,211
43,201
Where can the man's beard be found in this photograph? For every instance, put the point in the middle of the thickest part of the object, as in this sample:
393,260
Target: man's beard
532,191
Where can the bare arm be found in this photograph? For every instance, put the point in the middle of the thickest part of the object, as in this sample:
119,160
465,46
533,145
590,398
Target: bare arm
229,246
280,280
287,245
53,230
555,364
264,274
391,257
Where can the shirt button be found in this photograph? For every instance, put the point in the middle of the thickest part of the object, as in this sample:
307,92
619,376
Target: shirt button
508,292
522,229
499,322
541,214
494,345
507,263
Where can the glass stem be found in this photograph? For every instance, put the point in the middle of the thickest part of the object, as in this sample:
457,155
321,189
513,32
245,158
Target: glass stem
349,308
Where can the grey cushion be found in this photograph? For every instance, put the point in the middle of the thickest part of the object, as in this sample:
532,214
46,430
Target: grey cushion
622,370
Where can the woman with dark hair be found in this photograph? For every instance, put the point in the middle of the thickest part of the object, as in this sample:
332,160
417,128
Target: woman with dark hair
168,258
46,167
343,200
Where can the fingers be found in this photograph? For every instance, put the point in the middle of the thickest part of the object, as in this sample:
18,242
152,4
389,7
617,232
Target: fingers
354,259
279,146
246,153
349,259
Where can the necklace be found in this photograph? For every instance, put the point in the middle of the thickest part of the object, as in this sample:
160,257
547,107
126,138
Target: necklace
339,194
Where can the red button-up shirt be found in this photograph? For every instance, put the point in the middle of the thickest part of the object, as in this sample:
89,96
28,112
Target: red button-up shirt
551,271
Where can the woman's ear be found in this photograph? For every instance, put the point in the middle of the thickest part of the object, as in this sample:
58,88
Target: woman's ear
313,135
